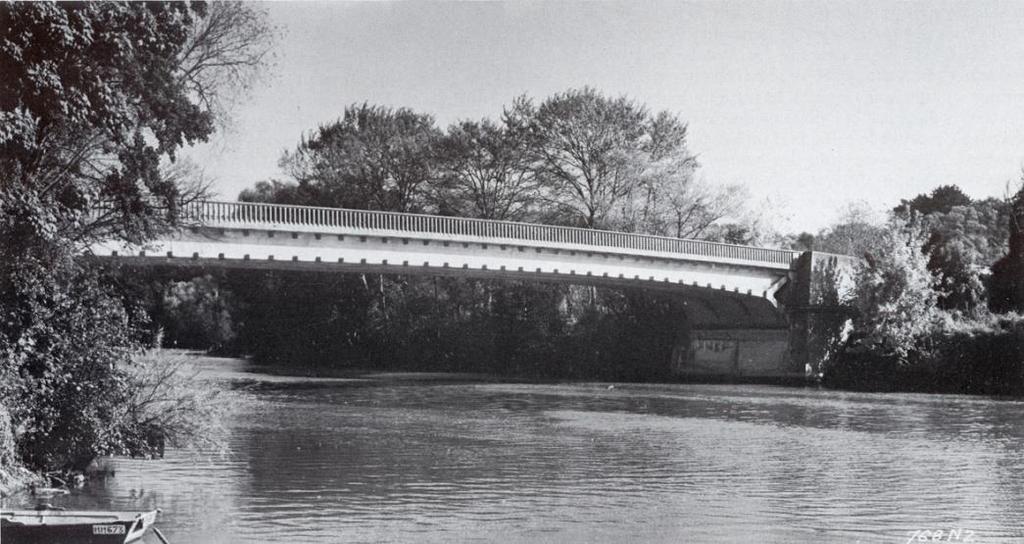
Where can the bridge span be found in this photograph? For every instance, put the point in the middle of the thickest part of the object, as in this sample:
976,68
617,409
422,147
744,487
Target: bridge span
759,284
278,236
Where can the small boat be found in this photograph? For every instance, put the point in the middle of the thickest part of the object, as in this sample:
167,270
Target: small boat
74,527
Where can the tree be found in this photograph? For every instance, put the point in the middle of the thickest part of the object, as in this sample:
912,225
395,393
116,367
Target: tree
804,241
942,199
198,311
88,118
224,54
487,171
733,233
669,201
280,192
894,292
952,262
852,234
964,236
593,152
373,158
982,227
95,102
961,244
1007,287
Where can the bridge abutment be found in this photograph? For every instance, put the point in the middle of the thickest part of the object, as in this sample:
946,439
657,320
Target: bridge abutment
739,339
812,304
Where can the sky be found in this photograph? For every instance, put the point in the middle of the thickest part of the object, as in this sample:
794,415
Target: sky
811,105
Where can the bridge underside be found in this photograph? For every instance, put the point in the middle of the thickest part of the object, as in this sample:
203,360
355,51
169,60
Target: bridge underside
708,307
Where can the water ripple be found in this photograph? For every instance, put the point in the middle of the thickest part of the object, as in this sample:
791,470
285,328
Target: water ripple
440,462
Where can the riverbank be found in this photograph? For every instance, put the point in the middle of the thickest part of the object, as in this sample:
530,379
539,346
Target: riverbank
979,357
17,478
13,476
984,358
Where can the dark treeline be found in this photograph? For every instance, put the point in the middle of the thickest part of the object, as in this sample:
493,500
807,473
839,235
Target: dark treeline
578,158
326,322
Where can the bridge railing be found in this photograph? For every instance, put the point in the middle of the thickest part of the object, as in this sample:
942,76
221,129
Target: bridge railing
242,214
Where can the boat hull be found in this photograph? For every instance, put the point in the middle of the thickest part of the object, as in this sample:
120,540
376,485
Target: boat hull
73,527
110,533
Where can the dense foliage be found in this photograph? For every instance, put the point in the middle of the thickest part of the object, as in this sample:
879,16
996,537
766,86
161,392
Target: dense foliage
963,238
895,293
96,99
942,199
924,293
334,322
92,98
373,158
1008,273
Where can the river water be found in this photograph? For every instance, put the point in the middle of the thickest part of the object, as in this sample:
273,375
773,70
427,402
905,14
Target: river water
406,460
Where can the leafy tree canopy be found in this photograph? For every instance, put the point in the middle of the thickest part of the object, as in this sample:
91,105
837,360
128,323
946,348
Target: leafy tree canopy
96,94
374,158
595,152
852,234
578,158
895,293
982,226
942,199
488,171
92,100
95,101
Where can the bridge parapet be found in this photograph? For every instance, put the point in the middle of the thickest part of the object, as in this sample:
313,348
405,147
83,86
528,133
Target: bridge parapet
242,215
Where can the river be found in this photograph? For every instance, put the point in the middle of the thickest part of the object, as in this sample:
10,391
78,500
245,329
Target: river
399,459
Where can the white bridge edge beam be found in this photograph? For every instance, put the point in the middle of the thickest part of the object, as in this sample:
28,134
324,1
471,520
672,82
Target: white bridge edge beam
574,261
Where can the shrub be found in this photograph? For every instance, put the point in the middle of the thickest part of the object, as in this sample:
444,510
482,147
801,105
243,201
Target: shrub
171,404
984,355
895,293
62,344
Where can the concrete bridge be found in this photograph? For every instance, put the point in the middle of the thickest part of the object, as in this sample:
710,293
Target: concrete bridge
744,304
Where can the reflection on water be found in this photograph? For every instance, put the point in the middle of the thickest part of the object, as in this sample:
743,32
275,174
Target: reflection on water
436,462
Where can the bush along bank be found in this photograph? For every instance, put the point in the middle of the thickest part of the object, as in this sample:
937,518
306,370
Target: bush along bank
980,356
13,475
